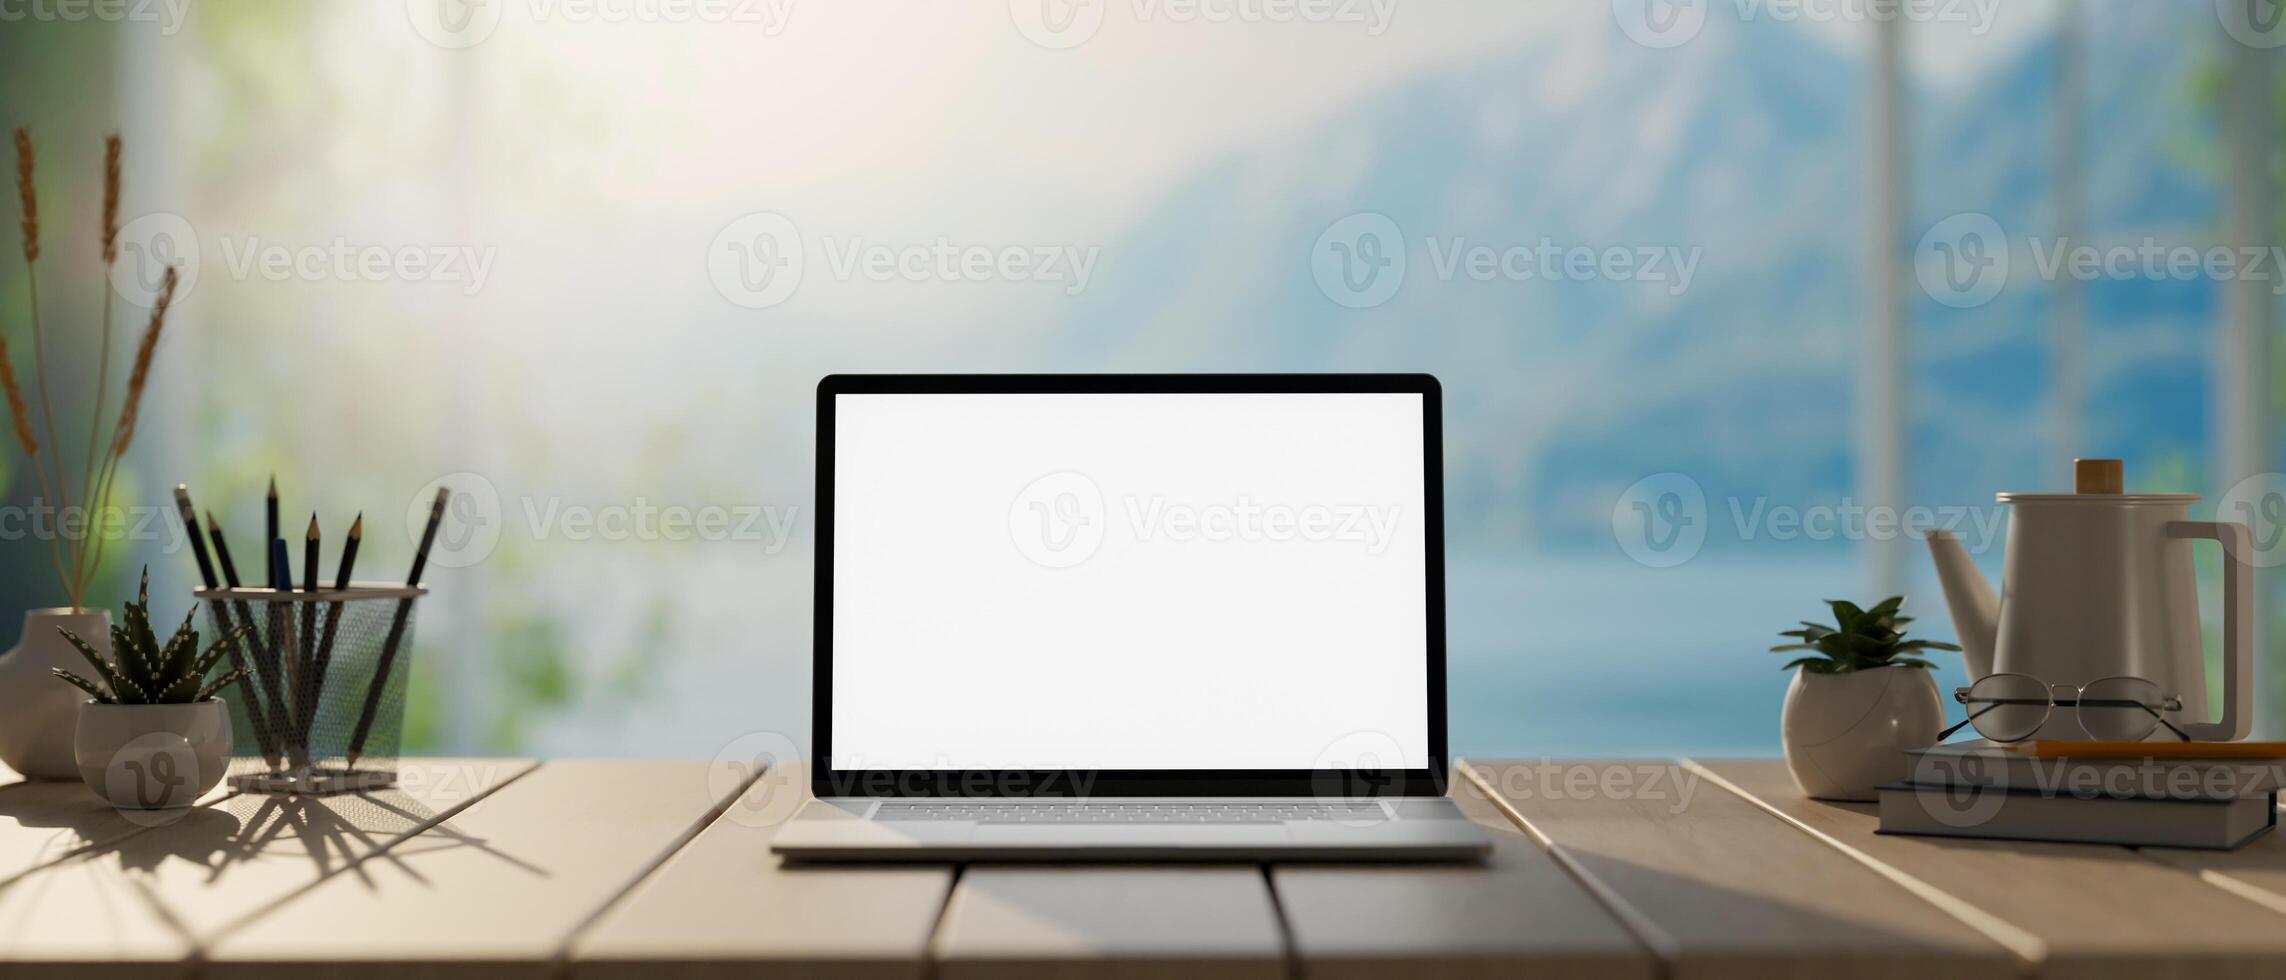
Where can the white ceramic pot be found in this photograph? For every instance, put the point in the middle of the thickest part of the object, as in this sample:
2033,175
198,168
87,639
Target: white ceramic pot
1848,733
39,713
153,756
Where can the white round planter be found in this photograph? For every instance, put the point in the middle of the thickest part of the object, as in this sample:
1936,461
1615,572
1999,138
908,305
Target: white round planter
1848,733
153,756
38,711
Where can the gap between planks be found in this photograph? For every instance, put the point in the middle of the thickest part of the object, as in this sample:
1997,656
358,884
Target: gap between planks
2030,949
1662,945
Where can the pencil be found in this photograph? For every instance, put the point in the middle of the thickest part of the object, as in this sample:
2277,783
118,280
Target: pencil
308,656
267,672
282,651
396,629
254,707
324,656
270,532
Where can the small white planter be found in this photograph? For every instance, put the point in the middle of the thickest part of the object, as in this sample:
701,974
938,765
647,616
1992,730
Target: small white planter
38,711
153,756
1848,733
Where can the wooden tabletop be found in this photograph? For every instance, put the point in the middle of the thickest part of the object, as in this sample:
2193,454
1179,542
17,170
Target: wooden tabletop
606,870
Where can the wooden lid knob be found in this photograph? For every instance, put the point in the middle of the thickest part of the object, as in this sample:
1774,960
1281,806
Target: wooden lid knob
2099,476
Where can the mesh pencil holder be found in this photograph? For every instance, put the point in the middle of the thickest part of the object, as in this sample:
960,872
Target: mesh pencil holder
322,706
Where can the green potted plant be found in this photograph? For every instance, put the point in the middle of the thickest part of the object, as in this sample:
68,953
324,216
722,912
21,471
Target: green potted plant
1859,701
153,735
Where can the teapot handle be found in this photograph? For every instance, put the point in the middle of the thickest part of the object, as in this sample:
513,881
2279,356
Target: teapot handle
2238,630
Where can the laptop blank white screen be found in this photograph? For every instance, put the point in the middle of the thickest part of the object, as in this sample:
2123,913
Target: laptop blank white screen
1129,581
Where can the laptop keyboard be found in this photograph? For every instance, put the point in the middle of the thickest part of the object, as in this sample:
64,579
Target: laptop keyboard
1114,811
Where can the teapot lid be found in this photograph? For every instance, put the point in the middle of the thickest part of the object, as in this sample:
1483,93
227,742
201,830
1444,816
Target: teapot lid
2098,481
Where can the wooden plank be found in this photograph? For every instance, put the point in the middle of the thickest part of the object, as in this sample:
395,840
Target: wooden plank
1517,914
497,891
2078,910
140,904
1724,889
1133,922
725,907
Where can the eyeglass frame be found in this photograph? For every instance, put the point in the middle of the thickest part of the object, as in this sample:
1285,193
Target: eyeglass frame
2051,702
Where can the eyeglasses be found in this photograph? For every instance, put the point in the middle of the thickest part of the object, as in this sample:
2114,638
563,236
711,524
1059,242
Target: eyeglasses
2012,707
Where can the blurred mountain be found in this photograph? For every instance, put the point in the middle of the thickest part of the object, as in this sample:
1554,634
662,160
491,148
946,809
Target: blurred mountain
1746,148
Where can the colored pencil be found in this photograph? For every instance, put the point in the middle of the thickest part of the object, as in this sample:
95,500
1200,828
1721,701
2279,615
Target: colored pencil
396,629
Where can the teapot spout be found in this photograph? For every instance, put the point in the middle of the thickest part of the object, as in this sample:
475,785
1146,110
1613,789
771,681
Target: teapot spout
1975,607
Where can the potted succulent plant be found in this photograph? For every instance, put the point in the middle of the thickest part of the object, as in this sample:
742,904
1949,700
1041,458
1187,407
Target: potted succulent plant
154,735
1859,702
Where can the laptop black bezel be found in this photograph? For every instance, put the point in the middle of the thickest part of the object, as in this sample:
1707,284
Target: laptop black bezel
826,782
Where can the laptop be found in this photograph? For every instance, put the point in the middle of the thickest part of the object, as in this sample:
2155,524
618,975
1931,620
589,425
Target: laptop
1129,617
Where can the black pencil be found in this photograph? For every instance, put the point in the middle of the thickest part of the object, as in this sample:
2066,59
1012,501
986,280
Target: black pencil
267,672
396,629
307,698
324,656
254,707
270,532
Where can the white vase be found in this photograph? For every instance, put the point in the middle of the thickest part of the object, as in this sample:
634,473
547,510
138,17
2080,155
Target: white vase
1848,733
153,756
39,712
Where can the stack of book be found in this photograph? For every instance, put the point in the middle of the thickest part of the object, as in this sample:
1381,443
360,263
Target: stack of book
2051,791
